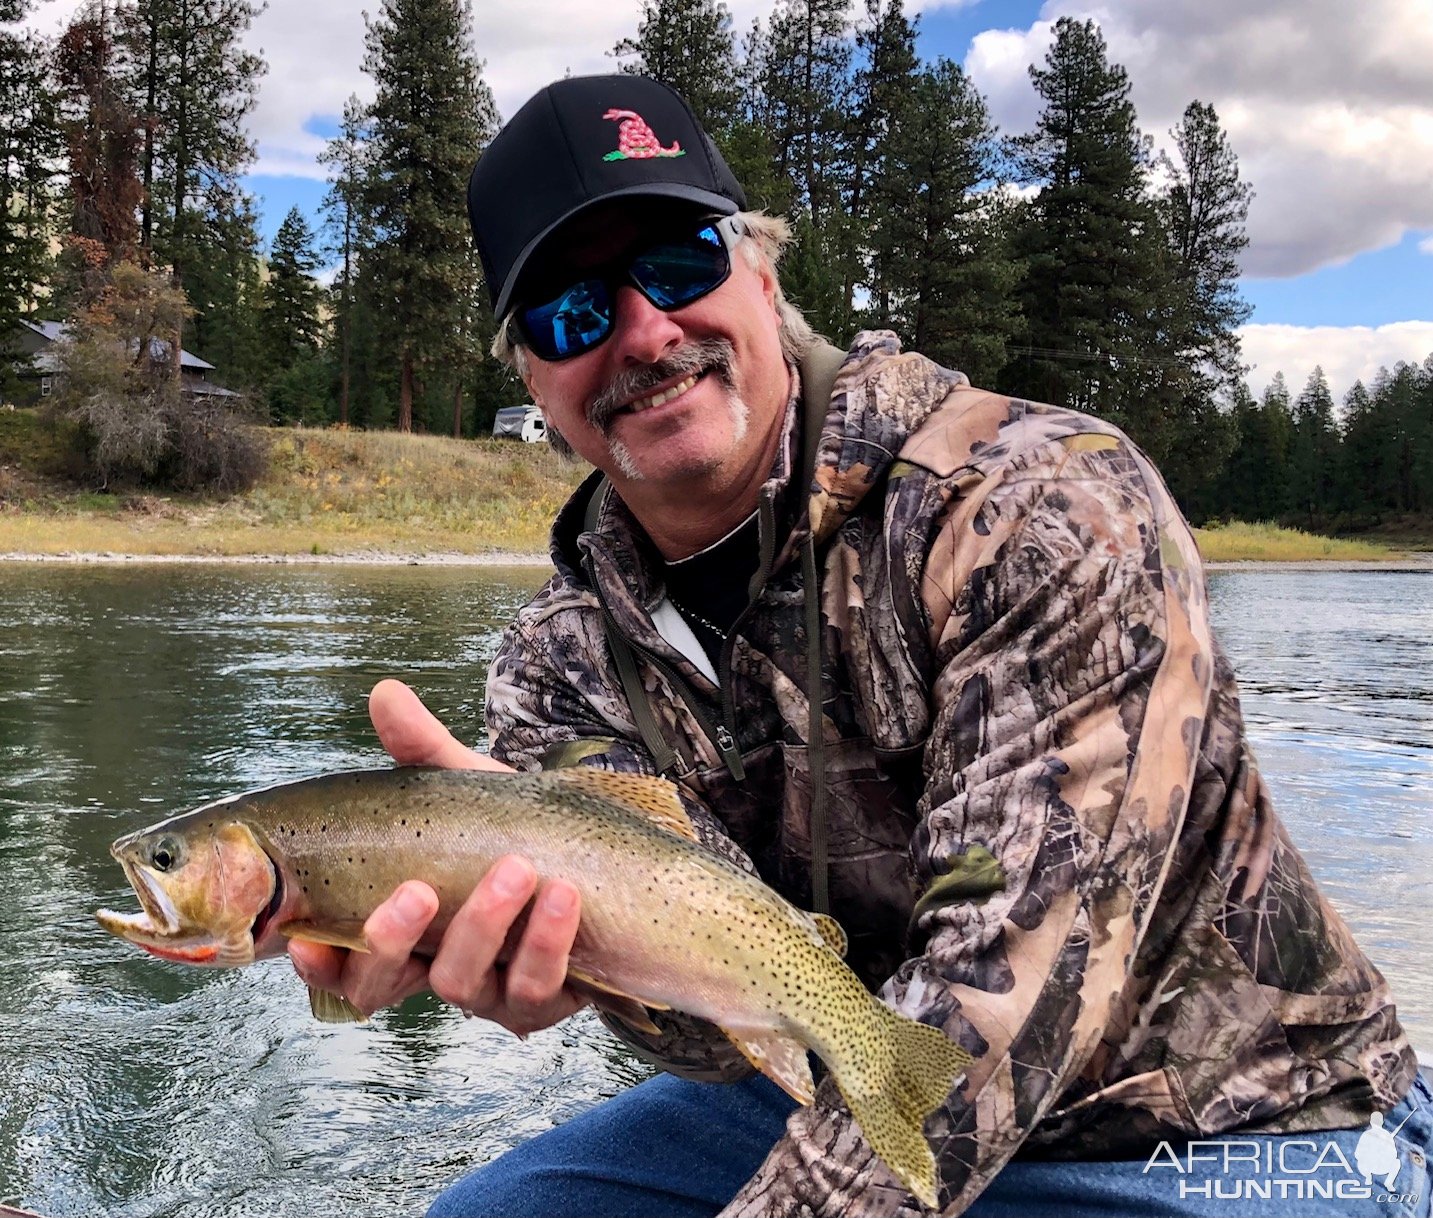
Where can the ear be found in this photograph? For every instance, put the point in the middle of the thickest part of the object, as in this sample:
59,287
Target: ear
532,393
769,283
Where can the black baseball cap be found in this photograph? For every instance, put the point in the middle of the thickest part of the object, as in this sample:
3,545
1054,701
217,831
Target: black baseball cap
584,141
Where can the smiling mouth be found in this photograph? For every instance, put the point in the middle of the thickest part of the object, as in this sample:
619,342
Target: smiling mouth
661,396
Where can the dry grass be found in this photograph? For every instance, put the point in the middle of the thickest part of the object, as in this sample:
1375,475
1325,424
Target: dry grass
327,492
1240,542
363,493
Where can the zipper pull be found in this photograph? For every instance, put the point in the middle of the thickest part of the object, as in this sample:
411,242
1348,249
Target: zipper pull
727,744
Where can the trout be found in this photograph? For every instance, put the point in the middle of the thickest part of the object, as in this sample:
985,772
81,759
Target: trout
665,924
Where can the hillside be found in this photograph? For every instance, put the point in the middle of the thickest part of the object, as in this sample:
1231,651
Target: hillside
331,492
360,494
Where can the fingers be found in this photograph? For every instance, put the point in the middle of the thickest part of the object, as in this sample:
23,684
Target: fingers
389,972
536,976
529,993
413,735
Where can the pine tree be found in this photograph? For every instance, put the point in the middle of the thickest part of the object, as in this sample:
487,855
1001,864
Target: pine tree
1360,470
749,142
347,157
225,288
1090,241
291,296
883,87
290,325
30,149
687,44
807,88
102,141
194,84
1272,440
1204,211
942,274
1313,451
431,117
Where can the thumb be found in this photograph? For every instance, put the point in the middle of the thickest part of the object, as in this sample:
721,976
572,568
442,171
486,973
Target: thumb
413,735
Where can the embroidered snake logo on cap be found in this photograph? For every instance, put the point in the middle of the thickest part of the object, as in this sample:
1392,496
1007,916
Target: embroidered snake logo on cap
636,140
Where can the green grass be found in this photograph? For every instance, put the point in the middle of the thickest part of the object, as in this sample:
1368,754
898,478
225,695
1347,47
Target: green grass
1240,542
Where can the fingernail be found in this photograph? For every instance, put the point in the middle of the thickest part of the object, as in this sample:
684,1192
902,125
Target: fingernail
558,900
410,906
510,879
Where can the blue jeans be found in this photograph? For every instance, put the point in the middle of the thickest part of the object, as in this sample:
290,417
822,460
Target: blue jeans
668,1148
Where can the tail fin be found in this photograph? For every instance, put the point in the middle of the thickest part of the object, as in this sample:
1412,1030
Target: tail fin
892,1104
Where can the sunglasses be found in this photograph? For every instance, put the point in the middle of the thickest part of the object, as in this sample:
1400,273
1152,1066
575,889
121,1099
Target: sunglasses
670,274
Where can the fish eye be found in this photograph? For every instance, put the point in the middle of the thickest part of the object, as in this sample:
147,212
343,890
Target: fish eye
165,854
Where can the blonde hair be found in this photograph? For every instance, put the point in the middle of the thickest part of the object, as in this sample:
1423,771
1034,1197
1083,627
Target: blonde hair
765,238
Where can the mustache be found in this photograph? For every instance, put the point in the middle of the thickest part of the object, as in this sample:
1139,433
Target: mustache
706,355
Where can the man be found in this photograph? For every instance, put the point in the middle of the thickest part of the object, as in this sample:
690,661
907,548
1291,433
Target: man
932,658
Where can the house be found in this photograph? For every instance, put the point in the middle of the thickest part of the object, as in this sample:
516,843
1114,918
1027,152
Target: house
39,364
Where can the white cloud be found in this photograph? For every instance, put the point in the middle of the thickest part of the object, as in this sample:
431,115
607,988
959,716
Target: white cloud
1426,246
1328,105
1345,353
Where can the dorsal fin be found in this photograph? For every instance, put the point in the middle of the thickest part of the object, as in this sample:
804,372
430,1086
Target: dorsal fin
654,798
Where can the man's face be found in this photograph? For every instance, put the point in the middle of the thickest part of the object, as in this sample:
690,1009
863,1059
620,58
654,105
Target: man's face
670,400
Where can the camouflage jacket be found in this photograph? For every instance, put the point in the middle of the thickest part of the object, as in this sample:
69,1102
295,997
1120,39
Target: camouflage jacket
1047,833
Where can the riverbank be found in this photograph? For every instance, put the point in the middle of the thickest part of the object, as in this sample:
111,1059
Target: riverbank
333,496
1415,563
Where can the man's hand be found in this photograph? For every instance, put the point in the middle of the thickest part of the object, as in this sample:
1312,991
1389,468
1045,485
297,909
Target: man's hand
525,994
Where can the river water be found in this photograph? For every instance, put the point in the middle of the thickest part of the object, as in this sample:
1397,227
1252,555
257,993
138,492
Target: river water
132,1087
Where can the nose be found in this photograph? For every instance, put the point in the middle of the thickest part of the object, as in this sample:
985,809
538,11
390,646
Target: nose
641,332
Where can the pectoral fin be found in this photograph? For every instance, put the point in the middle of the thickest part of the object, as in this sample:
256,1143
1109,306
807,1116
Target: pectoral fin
335,934
833,934
333,1008
631,1011
781,1059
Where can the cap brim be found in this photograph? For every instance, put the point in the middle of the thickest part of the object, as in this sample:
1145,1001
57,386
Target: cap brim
719,204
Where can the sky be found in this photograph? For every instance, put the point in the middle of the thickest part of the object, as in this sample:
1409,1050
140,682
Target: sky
1327,104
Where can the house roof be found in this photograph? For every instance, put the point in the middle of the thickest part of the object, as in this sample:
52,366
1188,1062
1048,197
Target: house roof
53,331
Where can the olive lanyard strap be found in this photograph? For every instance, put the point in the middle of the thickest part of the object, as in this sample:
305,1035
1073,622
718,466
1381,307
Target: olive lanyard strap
664,757
818,377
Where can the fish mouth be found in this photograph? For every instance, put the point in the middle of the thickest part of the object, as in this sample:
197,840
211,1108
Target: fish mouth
157,919
159,930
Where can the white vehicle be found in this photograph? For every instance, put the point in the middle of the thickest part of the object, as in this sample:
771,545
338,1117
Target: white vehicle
520,423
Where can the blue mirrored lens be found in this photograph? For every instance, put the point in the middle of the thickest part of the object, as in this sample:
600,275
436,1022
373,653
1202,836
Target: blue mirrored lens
669,275
571,323
676,274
